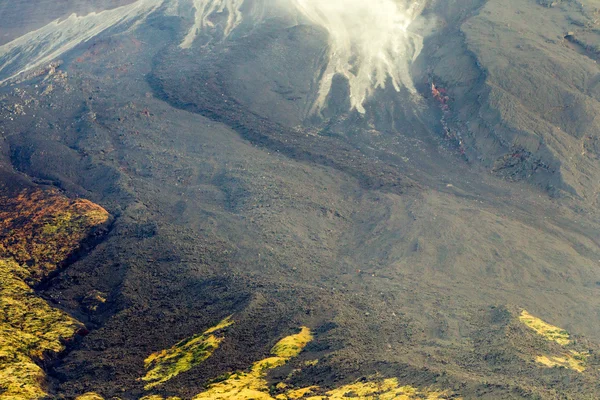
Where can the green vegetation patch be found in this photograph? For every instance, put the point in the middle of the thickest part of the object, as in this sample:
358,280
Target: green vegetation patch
183,356
90,396
567,358
386,389
38,230
252,384
550,332
291,346
29,329
571,360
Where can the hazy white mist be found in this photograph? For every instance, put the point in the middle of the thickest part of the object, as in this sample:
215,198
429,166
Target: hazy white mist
204,10
371,42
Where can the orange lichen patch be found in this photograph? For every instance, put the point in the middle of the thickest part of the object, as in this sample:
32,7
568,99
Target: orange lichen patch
29,329
183,356
41,228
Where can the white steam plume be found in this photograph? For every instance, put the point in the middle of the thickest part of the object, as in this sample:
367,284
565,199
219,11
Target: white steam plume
370,42
205,9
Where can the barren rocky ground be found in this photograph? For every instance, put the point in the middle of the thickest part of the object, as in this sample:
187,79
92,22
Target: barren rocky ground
413,236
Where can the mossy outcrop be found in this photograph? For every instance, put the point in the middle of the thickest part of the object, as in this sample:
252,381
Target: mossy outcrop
253,384
90,396
41,228
548,331
566,357
386,389
29,329
183,356
38,230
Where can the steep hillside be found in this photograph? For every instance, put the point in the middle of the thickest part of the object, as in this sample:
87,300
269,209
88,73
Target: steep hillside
294,215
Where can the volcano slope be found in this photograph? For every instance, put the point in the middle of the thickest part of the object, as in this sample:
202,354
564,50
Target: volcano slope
442,243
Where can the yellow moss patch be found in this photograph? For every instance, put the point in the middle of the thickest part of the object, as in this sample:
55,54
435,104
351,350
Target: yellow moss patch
572,360
38,230
92,300
90,396
388,389
291,346
21,378
300,393
252,384
569,359
220,326
243,385
548,331
183,356
29,328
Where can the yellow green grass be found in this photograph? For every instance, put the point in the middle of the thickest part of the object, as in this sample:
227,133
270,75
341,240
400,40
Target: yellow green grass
387,389
41,228
96,396
568,359
291,346
548,331
253,384
29,329
571,360
38,230
294,394
90,396
183,356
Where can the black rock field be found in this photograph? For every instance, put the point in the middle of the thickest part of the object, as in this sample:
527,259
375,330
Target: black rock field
299,199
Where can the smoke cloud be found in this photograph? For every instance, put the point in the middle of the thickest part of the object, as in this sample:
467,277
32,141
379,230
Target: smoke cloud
371,43
205,9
